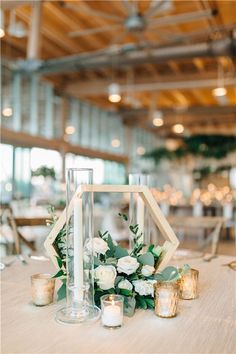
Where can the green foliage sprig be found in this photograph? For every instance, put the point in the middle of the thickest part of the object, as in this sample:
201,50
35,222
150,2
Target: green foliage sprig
45,172
208,146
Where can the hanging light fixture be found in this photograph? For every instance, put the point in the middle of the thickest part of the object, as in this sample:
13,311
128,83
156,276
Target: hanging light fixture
157,118
220,90
114,93
2,32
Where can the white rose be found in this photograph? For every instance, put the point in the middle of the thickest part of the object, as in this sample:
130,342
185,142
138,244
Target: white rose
147,270
144,287
127,265
98,245
125,284
105,276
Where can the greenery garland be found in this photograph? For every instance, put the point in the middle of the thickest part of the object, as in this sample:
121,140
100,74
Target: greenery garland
208,146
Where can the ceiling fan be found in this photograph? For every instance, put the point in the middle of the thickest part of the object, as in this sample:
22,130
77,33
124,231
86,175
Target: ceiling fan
137,23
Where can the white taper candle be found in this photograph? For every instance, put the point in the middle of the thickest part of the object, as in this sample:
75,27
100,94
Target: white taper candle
78,250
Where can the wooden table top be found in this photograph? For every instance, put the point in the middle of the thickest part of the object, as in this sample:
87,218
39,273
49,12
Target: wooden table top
204,325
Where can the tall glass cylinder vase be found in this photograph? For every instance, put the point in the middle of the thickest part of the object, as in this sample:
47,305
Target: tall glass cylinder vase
138,213
80,305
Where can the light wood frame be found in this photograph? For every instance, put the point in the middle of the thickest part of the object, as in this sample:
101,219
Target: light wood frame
159,219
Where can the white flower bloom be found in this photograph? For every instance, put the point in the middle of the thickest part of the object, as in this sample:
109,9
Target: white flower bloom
127,265
147,270
125,284
105,276
144,287
98,245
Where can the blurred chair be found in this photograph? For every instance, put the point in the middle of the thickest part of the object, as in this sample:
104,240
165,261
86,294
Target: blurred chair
18,237
201,222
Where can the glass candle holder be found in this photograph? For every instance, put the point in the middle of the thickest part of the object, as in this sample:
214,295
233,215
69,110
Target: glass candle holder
42,289
80,306
112,310
166,299
189,285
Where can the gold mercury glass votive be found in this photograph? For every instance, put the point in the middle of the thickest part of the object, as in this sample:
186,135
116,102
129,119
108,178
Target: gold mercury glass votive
166,299
189,285
42,289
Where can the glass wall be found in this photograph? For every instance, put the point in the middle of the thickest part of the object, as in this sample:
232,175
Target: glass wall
105,172
35,109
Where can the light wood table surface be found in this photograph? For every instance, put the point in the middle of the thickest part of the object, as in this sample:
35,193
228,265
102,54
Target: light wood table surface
204,325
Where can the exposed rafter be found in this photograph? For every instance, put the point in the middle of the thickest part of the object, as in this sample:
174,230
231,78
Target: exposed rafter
127,56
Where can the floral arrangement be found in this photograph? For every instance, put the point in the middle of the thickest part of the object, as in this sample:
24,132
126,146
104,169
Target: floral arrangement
130,273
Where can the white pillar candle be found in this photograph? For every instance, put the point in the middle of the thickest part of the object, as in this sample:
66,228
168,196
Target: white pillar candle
112,316
140,215
78,250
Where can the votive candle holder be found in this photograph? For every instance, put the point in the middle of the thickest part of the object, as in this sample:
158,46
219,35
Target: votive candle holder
42,289
189,285
112,310
166,299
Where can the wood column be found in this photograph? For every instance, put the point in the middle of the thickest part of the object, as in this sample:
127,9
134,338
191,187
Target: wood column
34,40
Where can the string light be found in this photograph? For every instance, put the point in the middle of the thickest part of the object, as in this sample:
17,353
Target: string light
70,130
7,112
178,128
2,32
141,150
158,122
115,143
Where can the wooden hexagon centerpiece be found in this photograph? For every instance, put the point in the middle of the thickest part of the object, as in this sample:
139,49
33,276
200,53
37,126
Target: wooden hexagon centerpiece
159,219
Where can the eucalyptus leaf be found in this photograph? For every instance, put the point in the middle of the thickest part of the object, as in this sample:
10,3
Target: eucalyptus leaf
61,293
120,252
118,279
59,261
126,292
157,251
150,248
58,274
123,216
170,273
183,270
97,262
150,303
147,259
142,302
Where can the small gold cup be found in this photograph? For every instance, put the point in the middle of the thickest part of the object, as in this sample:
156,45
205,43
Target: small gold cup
42,289
166,299
189,285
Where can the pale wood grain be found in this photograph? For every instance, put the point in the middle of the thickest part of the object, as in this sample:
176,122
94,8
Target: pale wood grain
204,325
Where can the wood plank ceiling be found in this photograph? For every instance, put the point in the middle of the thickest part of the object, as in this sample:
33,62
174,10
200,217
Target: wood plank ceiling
59,18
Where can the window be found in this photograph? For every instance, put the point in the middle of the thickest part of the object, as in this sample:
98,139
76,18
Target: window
6,175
